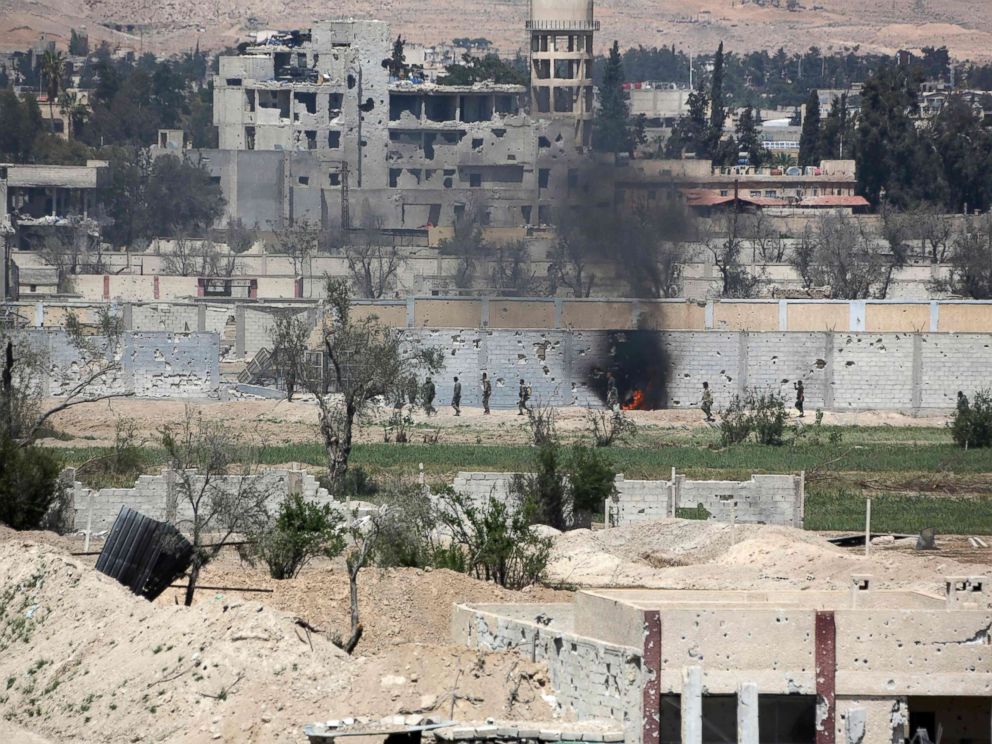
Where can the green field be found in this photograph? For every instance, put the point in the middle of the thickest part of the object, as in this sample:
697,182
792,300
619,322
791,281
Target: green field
916,477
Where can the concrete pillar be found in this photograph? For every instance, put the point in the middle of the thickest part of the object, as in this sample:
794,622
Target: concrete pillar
917,391
934,316
651,697
201,318
747,714
39,315
484,313
635,314
828,370
692,706
411,307
127,316
742,338
783,315
708,316
171,495
558,309
239,331
858,310
825,639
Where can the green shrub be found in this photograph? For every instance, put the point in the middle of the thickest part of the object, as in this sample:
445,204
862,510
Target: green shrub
735,422
971,425
28,484
301,531
768,417
591,478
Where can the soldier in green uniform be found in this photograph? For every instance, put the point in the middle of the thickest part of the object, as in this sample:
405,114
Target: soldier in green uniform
523,395
428,395
487,392
456,398
612,393
707,403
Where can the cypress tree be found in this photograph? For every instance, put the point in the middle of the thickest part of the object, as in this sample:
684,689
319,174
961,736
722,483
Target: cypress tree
611,132
718,111
809,141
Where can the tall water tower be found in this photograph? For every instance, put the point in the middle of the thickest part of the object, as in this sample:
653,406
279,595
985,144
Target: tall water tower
561,57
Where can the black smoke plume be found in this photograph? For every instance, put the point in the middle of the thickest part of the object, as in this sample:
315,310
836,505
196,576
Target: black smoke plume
638,363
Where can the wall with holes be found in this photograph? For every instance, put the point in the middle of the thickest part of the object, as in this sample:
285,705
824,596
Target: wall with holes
764,499
146,364
840,371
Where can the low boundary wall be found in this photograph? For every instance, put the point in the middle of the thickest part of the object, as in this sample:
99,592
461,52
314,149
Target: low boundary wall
764,499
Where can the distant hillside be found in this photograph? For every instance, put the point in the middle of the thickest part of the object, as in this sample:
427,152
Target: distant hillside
964,26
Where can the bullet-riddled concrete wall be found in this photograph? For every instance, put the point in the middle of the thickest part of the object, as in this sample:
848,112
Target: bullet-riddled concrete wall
840,371
590,679
152,364
764,499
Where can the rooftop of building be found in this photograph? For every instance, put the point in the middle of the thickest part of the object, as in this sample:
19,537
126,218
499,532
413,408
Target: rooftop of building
697,599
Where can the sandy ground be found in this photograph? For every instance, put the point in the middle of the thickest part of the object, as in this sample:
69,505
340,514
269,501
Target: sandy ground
275,422
83,660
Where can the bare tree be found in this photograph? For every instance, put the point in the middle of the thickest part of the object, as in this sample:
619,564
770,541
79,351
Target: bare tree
28,375
290,339
372,262
217,484
971,260
365,360
240,237
724,242
197,257
935,231
512,272
766,239
74,250
299,242
846,254
467,243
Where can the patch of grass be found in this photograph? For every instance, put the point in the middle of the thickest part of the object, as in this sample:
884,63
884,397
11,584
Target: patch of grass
844,511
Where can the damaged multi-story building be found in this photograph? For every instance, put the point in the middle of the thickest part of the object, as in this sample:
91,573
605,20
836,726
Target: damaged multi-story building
312,126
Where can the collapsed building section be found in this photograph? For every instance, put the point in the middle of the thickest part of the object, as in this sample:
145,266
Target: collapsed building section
312,126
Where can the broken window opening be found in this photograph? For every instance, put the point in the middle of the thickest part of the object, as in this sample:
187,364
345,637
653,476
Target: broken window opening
249,138
452,138
429,145
233,82
400,104
543,142
542,69
476,108
475,180
565,69
506,104
309,101
543,178
334,103
394,177
333,140
303,180
499,133
311,135
564,101
250,98
334,179
477,143
525,213
441,108
351,81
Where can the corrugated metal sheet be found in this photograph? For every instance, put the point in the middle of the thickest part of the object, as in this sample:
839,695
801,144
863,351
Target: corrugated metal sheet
143,554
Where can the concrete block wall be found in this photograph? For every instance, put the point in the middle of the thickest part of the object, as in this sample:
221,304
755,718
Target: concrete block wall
151,364
165,316
764,499
158,497
591,679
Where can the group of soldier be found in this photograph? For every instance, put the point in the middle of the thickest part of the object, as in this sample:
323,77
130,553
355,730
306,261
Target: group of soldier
429,393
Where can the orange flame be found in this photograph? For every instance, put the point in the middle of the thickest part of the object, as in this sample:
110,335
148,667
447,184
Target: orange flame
635,402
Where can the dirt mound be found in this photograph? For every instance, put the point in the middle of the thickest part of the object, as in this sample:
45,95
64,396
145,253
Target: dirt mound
675,553
398,605
84,660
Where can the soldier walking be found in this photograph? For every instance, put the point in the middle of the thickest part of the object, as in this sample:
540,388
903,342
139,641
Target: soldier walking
800,398
428,394
523,395
487,391
456,398
707,403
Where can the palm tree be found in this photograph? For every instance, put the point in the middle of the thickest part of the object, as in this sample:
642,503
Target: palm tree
74,111
53,70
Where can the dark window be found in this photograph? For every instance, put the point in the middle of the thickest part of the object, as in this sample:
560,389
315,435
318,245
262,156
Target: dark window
334,179
543,178
394,177
304,180
787,719
475,180
334,140
233,82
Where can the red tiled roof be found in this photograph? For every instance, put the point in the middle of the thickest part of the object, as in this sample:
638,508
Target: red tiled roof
834,201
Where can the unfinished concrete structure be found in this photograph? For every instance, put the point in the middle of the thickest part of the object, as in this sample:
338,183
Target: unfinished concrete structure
561,60
312,126
853,667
